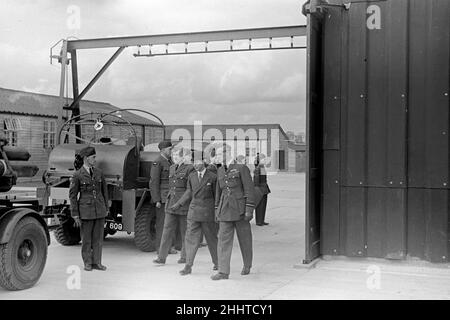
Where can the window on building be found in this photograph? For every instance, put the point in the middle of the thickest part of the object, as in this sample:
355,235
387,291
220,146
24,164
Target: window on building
10,129
49,134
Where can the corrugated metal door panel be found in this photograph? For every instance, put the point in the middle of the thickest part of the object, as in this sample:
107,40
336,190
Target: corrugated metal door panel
377,225
331,78
437,44
353,221
330,200
396,28
417,87
331,140
428,112
377,86
428,224
386,228
354,168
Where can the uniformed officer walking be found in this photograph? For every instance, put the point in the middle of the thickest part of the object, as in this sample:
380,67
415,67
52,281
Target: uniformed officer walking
260,181
199,195
175,217
235,203
159,186
89,205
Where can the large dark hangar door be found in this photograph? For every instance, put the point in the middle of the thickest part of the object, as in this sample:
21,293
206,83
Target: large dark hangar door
313,138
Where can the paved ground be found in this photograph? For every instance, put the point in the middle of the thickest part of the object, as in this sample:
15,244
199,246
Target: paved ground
277,248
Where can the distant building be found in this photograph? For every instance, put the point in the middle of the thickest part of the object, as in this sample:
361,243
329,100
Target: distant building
29,120
247,140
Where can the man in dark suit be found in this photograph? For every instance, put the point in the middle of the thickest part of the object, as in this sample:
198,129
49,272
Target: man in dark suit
260,181
159,186
235,202
200,193
89,205
175,218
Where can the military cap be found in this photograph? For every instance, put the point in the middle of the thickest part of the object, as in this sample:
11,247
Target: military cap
164,144
86,152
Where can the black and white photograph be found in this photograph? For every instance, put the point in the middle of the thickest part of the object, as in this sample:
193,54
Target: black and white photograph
224,155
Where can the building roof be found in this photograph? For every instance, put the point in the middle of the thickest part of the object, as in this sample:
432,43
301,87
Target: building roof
37,104
170,128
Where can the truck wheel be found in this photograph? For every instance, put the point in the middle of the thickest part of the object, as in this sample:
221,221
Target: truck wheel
66,233
23,258
144,228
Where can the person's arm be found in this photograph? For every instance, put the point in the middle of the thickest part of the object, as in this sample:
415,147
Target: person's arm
249,192
155,176
214,186
217,198
256,175
73,196
105,192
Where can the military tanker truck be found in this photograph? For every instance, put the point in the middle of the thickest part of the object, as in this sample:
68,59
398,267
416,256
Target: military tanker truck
126,169
24,235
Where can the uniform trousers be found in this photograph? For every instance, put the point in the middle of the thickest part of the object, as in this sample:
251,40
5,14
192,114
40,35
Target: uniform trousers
194,234
225,244
171,222
260,210
92,240
159,226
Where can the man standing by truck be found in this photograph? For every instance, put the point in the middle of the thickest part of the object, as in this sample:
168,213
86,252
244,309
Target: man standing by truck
89,206
199,195
235,202
175,219
159,187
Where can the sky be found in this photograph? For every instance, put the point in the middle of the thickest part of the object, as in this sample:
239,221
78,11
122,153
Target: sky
238,88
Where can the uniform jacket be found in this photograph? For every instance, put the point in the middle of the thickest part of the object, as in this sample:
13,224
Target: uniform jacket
235,192
200,196
260,179
178,178
159,179
88,195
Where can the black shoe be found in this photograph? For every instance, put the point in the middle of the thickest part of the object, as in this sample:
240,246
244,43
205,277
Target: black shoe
245,271
159,261
219,276
265,223
88,267
187,270
259,224
215,268
182,260
99,267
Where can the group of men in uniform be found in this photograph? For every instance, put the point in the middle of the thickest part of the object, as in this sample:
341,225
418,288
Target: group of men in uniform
191,199
213,201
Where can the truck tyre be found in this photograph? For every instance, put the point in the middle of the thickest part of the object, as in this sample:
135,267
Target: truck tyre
144,228
66,233
23,258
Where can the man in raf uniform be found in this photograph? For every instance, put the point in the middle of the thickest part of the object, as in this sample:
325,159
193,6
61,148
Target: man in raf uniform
175,215
235,194
260,181
199,195
89,205
159,186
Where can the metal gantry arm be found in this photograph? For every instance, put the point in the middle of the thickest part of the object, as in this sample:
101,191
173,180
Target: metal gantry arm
71,46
